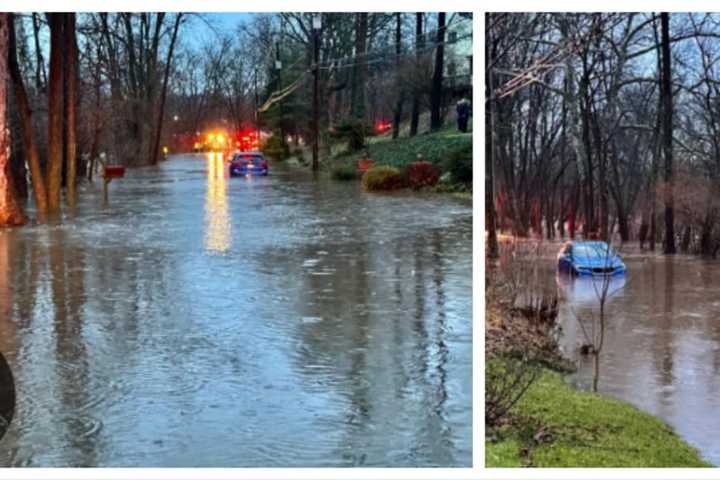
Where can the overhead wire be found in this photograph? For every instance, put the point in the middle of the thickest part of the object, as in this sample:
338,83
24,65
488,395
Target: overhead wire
279,95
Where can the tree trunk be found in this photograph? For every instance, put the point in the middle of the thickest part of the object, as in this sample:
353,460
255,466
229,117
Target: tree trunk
436,120
490,213
163,93
150,82
706,243
666,92
33,161
358,106
419,45
40,74
623,226
70,108
55,113
10,209
397,114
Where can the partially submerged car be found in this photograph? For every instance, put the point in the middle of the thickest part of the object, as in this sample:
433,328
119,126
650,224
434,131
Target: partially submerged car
589,258
248,163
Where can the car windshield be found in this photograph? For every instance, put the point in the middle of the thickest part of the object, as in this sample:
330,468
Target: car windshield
244,157
593,251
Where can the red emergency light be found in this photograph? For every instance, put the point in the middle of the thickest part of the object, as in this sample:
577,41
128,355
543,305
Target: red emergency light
382,127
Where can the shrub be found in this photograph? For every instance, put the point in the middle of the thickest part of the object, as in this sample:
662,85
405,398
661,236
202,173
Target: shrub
459,164
299,153
507,380
344,172
422,174
382,178
354,131
276,148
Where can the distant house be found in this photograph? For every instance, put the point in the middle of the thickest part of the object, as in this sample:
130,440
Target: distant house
459,57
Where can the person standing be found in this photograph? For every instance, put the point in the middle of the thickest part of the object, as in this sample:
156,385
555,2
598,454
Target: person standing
463,114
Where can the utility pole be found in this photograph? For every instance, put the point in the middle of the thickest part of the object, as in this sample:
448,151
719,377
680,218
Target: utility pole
278,69
257,114
317,24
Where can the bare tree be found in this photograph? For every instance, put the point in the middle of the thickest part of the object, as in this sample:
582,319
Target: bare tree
436,120
163,93
667,101
33,161
419,46
55,113
71,62
10,210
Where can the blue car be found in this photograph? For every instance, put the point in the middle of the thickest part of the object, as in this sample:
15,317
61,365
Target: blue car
589,258
248,163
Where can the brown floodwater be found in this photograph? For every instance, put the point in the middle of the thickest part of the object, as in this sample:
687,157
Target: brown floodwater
201,320
662,341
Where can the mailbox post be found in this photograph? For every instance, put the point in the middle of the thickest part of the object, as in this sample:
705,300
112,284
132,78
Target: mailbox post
110,172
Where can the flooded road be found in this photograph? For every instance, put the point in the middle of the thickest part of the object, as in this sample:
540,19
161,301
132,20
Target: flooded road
662,343
200,320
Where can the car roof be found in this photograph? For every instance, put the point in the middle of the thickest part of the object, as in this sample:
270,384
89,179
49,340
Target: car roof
589,243
248,153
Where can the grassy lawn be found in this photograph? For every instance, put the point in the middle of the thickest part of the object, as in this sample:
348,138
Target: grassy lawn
434,147
555,425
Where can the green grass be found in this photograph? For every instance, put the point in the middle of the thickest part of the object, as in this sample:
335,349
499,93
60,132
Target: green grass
434,147
585,430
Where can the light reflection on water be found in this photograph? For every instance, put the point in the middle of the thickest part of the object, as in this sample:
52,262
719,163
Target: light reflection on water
338,335
219,226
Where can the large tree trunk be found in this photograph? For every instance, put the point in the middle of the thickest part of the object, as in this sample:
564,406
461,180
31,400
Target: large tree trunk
666,92
436,120
33,161
161,110
151,81
70,106
10,209
419,45
55,113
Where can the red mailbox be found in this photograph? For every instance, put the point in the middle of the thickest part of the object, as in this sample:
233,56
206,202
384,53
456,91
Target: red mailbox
114,171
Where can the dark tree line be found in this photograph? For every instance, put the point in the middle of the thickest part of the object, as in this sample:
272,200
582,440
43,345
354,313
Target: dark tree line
604,125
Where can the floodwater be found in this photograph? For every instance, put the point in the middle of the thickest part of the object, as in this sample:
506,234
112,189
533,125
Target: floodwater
201,320
662,342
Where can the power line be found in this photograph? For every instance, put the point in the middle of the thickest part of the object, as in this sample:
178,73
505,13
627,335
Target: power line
280,95
429,46
393,56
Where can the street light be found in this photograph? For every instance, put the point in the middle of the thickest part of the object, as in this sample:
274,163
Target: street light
176,118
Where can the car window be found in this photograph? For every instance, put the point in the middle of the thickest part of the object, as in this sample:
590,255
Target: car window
593,251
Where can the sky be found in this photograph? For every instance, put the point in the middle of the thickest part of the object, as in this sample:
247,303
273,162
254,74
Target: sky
224,22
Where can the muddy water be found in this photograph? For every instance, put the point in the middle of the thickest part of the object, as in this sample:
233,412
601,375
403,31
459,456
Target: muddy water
662,343
200,320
